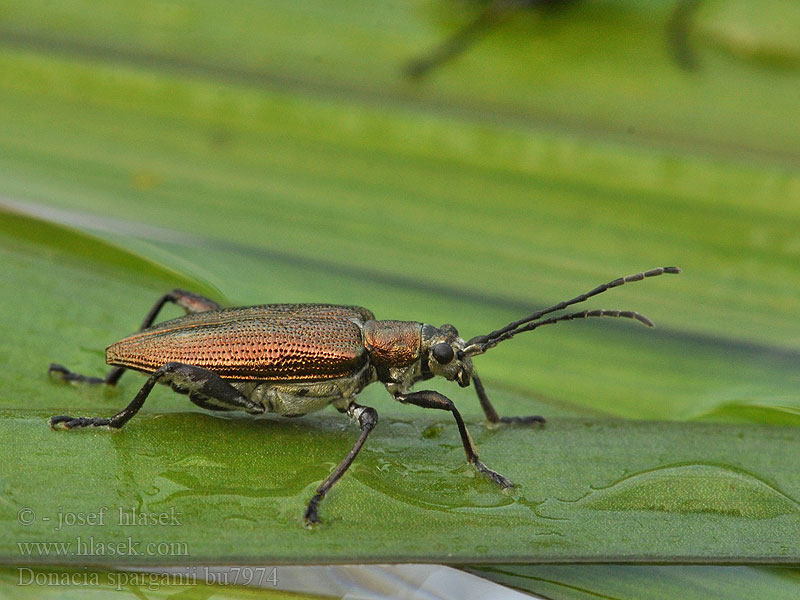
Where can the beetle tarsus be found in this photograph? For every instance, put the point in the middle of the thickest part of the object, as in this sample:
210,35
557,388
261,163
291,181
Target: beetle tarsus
490,412
493,475
529,420
64,374
311,516
68,422
189,302
119,419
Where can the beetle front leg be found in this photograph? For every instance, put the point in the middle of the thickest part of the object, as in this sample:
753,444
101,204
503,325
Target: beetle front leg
367,418
491,413
431,399
185,378
191,303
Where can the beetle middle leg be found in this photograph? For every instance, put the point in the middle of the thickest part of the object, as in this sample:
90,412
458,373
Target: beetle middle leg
431,399
191,303
200,383
491,413
367,420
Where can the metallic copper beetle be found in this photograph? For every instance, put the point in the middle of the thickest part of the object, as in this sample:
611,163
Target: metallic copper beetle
293,359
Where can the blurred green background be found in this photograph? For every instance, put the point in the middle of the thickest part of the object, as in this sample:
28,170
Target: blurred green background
280,152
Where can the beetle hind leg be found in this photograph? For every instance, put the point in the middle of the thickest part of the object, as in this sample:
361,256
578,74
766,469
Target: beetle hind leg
204,385
189,302
367,418
491,413
205,403
64,374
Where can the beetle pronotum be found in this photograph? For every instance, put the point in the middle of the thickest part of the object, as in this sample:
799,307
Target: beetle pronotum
293,359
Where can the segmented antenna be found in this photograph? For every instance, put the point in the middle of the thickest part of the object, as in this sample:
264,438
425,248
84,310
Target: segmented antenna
480,348
482,343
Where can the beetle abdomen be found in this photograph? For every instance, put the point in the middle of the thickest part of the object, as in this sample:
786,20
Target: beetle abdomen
247,347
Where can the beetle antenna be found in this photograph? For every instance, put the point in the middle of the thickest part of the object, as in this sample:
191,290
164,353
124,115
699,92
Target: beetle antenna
474,348
513,327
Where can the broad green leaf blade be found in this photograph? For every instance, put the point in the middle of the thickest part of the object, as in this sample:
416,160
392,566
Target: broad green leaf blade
777,412
588,582
234,490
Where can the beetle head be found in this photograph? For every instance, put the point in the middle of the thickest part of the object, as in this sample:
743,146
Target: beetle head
443,354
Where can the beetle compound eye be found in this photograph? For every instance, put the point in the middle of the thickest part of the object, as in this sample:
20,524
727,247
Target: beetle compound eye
443,353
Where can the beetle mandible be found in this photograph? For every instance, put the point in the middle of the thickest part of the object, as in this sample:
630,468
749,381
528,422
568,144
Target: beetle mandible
293,359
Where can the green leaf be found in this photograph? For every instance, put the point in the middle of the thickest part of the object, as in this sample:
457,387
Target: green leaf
580,484
237,488
585,582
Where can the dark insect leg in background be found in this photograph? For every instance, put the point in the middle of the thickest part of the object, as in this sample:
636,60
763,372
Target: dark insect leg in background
491,16
431,399
367,420
678,30
206,385
191,303
497,11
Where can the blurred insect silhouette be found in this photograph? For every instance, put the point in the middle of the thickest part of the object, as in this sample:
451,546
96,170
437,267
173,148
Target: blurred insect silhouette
293,359
494,13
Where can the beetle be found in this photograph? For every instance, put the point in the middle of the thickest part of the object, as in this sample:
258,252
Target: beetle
293,359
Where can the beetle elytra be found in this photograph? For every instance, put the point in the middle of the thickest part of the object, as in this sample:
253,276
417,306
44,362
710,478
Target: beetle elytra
293,359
